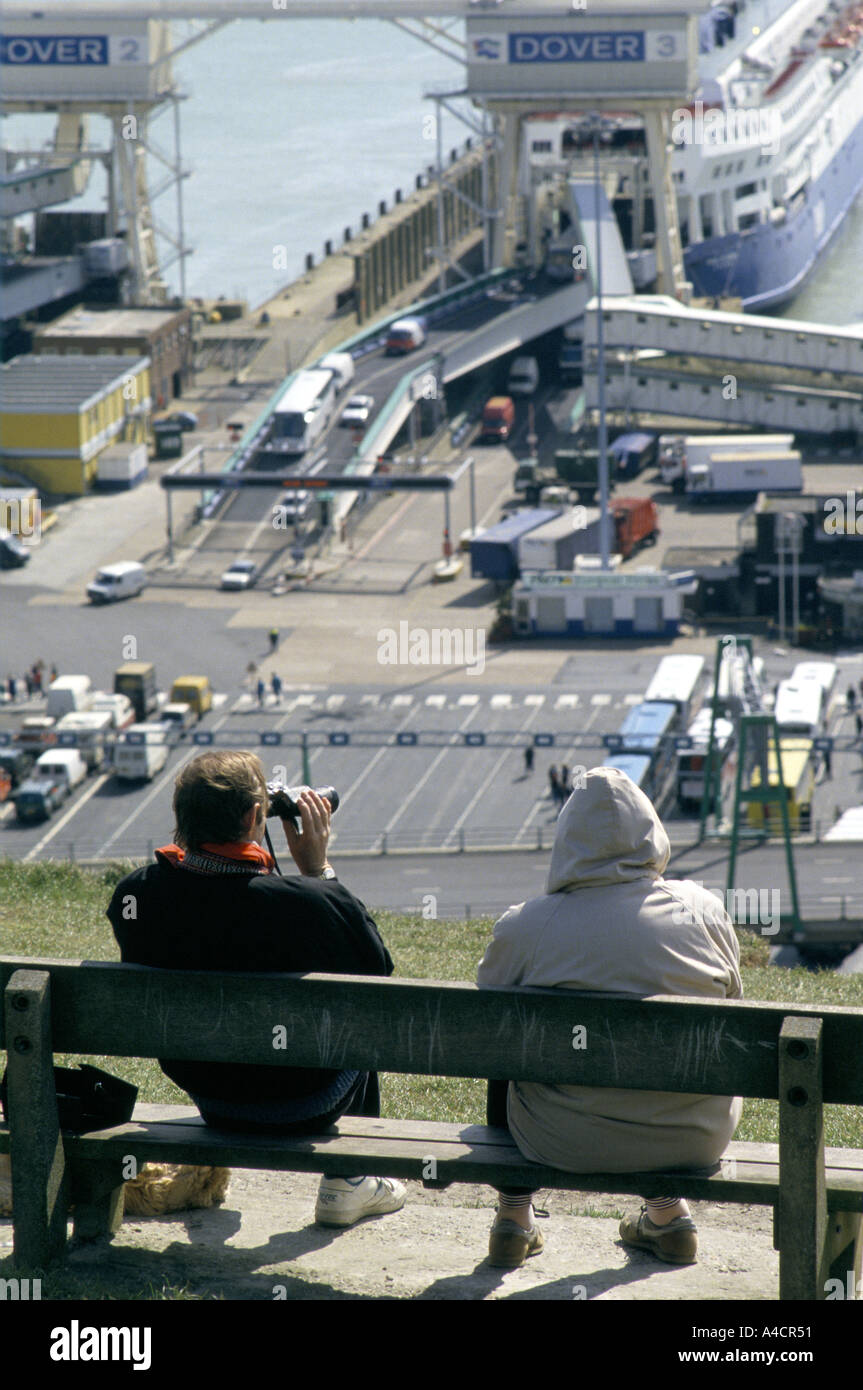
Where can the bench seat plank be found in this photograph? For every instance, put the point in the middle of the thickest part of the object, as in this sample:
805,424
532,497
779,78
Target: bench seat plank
462,1153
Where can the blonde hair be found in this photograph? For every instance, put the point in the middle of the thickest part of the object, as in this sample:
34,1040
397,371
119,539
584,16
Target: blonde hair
213,794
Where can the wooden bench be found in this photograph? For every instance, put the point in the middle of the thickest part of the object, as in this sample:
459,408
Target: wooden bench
803,1056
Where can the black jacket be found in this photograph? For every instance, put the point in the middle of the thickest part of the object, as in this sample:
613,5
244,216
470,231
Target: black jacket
189,921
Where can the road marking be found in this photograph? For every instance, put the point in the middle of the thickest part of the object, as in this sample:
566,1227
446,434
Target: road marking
436,701
402,700
418,786
534,699
64,819
219,700
632,699
501,701
370,699
335,701
468,700
600,699
305,700
566,702
505,756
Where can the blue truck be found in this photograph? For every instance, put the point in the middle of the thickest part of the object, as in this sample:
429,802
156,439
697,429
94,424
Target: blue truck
494,554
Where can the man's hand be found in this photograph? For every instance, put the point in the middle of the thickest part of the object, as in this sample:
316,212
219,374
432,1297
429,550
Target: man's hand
309,849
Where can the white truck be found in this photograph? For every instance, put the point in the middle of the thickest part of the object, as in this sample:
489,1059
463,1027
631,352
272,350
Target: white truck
744,474
678,452
68,694
87,731
141,751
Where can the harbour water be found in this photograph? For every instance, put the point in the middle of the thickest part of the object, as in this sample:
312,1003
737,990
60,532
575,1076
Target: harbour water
293,130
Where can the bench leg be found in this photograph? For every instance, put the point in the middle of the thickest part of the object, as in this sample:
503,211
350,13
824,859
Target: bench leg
39,1174
97,1193
801,1208
845,1250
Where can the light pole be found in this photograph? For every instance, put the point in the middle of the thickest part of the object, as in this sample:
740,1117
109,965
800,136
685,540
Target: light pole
595,122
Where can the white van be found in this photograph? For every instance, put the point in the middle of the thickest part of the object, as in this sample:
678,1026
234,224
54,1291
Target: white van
61,765
342,365
88,732
69,694
112,582
523,377
141,751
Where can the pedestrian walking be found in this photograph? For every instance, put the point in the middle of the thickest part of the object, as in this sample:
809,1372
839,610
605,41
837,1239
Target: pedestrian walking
11,687
37,680
851,699
54,673
262,690
861,688
858,723
528,758
554,784
276,683
565,786
28,681
274,638
828,765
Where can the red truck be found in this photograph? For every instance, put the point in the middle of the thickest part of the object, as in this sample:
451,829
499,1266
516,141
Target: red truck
636,523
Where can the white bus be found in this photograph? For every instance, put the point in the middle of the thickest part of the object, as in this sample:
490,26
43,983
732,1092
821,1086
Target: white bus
824,672
679,679
692,761
799,708
304,411
731,687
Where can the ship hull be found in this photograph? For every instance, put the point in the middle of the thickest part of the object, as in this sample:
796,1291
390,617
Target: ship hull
768,264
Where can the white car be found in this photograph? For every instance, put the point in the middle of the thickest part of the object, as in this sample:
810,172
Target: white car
357,410
242,574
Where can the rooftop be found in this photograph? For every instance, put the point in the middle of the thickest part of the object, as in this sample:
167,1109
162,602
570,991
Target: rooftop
53,383
121,322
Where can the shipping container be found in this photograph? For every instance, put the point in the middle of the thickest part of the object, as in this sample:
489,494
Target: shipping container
633,452
745,474
555,545
677,452
494,554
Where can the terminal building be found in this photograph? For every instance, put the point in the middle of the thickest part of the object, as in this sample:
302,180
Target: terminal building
163,335
59,412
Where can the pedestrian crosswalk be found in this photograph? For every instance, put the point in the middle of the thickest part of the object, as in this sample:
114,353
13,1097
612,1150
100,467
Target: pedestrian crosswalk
502,701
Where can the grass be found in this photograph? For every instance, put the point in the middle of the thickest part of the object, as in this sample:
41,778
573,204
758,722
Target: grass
58,910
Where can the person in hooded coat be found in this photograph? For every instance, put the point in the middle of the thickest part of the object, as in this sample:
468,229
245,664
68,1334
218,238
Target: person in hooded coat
610,921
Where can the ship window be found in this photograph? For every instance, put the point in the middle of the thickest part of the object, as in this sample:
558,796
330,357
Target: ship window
800,401
541,147
749,219
768,332
769,396
737,328
717,170
801,337
834,342
834,405
705,390
672,386
642,318
746,190
741,164
642,381
707,327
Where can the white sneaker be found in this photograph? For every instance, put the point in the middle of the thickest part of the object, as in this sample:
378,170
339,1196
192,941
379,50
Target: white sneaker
342,1201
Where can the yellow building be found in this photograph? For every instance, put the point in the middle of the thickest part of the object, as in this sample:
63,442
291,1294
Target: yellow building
58,412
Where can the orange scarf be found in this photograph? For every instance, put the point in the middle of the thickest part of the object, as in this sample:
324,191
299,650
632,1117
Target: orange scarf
234,857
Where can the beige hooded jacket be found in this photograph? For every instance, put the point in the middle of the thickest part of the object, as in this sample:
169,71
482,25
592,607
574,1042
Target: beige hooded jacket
610,921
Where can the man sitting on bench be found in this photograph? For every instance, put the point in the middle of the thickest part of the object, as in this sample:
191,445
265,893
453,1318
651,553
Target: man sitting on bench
609,921
213,901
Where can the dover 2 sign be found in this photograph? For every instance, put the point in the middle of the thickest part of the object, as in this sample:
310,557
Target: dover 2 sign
638,55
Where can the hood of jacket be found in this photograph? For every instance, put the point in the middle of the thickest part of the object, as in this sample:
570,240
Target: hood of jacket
608,832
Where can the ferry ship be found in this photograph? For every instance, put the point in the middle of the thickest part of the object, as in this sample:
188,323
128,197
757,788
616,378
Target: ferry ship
766,161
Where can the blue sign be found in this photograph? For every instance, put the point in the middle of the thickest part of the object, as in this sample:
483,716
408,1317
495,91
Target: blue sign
621,46
5,740
338,740
823,745
474,740
202,738
613,742
66,739
544,740
682,742
406,740
272,737
136,740
53,50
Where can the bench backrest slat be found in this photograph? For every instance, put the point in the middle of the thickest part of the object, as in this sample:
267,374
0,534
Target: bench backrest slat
437,1028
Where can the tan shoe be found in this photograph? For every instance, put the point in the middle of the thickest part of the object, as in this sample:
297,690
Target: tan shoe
676,1243
510,1244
